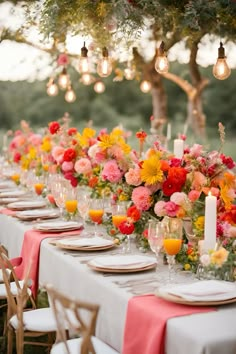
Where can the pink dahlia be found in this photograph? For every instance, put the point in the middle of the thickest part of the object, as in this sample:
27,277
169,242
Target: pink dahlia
58,153
111,172
83,166
171,209
159,208
67,166
141,197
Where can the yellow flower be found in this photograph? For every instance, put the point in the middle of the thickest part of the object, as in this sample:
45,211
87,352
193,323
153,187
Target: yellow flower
107,141
187,266
32,153
86,135
25,163
219,257
227,195
199,223
124,147
46,145
123,197
151,172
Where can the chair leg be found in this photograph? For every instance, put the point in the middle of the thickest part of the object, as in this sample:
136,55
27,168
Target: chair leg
10,336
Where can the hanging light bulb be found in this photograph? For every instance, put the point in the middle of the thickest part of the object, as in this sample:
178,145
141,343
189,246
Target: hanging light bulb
70,95
161,64
129,72
145,86
52,88
84,62
221,70
104,67
99,87
63,80
87,79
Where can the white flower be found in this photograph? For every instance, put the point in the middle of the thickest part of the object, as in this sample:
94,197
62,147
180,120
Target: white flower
205,260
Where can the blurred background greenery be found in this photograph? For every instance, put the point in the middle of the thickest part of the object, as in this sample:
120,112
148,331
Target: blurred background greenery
121,103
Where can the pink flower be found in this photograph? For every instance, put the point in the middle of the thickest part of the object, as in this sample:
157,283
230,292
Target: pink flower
159,208
111,172
35,139
194,195
141,197
62,59
83,166
132,177
175,162
199,180
232,231
179,198
171,208
58,153
205,260
67,166
196,150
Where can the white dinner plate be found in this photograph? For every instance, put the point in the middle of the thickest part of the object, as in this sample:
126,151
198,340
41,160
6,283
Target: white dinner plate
12,193
200,293
37,213
85,243
27,204
58,226
7,184
122,263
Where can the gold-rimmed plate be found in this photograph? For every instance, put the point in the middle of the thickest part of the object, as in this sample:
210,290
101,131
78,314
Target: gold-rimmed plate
85,244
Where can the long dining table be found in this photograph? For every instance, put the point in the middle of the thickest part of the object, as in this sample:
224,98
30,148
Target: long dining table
212,332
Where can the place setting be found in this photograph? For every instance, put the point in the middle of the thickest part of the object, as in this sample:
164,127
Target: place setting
37,214
58,226
27,204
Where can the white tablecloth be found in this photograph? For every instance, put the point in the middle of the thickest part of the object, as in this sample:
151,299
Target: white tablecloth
209,333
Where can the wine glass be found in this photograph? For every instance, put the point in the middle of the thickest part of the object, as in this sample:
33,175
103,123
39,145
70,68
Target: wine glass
71,202
59,192
118,214
83,205
39,186
155,237
95,212
173,233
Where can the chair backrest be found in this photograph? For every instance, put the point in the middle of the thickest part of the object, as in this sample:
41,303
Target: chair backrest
73,316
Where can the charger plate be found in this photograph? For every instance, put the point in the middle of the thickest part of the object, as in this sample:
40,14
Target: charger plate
35,214
29,204
139,264
58,226
180,300
85,244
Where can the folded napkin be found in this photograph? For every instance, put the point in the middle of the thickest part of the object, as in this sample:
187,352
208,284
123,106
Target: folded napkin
30,253
58,224
146,320
123,261
206,290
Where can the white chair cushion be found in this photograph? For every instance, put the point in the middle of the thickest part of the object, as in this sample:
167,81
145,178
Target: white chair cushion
39,320
3,293
74,347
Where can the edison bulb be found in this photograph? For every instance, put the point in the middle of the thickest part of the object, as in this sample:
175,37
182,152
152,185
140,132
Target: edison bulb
221,70
99,87
162,64
70,95
52,88
129,73
83,61
87,79
104,66
145,86
63,80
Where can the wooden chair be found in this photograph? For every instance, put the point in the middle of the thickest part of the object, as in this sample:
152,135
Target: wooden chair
30,323
75,317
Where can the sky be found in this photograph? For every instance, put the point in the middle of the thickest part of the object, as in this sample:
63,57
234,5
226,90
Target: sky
22,62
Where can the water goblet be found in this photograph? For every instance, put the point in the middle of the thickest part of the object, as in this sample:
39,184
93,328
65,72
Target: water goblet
118,214
173,233
155,237
71,202
95,212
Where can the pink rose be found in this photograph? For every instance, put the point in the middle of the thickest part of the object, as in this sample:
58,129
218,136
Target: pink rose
171,209
179,198
83,166
67,166
58,153
111,172
132,177
194,195
35,139
159,208
196,150
199,180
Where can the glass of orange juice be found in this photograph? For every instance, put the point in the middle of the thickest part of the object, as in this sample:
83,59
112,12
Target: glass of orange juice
118,214
172,243
95,212
71,202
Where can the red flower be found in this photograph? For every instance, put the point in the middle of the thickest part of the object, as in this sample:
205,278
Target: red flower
227,161
141,135
71,178
71,131
145,233
93,182
62,59
170,186
54,127
17,157
69,155
126,227
133,213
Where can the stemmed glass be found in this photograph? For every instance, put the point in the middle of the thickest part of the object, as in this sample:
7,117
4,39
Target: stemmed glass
96,211
173,233
155,237
59,192
83,205
118,214
39,185
71,201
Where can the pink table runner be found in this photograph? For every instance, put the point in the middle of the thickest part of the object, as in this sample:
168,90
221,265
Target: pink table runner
7,211
30,255
146,323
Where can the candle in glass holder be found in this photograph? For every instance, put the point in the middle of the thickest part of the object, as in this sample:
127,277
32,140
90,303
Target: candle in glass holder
210,222
178,148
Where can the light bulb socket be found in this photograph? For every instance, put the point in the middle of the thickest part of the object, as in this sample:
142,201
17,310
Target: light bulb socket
64,71
221,51
161,49
105,52
84,51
